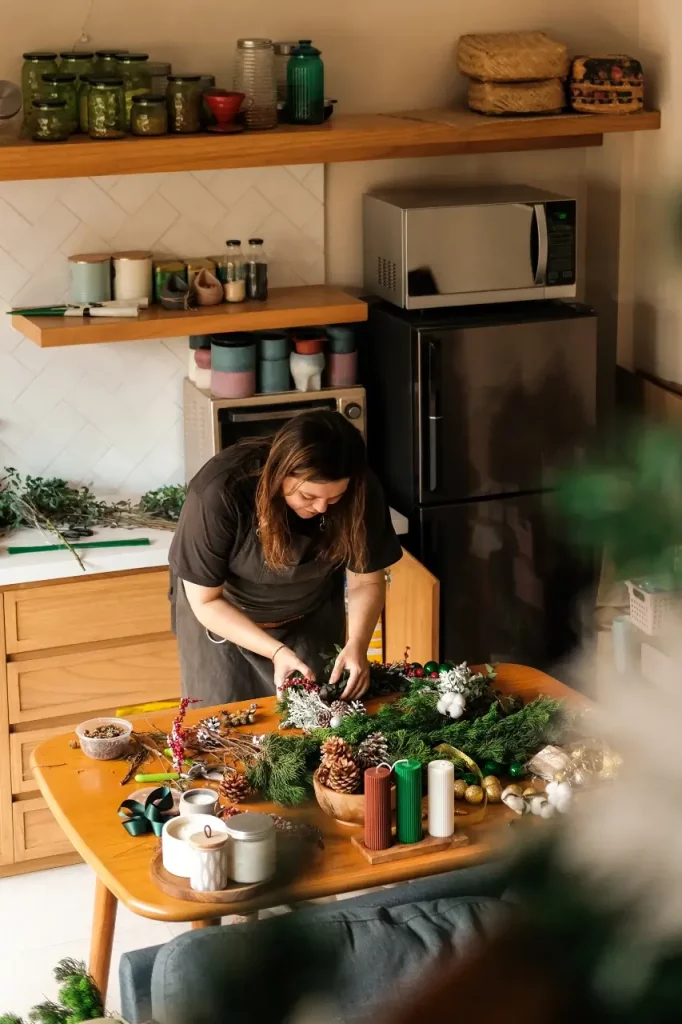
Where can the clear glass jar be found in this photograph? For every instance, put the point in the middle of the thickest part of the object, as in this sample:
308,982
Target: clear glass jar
149,115
252,851
106,108
77,62
50,121
60,86
305,85
183,95
232,272
36,64
106,62
282,53
132,67
256,271
254,75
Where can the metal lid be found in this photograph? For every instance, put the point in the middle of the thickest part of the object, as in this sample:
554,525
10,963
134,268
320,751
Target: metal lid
254,44
132,58
89,257
255,241
149,99
77,55
49,104
134,254
284,49
40,55
184,78
250,826
233,241
305,48
58,78
109,53
104,80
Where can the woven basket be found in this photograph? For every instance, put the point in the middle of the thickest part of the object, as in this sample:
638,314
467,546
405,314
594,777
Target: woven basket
607,85
517,97
512,57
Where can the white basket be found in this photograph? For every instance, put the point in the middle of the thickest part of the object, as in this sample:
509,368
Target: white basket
651,610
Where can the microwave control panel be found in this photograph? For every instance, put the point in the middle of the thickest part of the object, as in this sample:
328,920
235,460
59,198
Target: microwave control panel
561,242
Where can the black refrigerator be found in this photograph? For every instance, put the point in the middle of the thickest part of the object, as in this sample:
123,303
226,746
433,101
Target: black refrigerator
470,413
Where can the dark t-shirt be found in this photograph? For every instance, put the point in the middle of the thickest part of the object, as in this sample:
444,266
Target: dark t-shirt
216,544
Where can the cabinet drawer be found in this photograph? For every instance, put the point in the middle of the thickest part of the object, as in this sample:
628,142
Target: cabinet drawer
78,683
85,611
36,833
21,746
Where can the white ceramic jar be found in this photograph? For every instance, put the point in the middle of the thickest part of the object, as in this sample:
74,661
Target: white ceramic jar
252,850
132,275
198,801
307,370
208,852
175,836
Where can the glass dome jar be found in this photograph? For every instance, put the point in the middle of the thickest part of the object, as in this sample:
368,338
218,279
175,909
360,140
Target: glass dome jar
50,121
149,115
77,62
183,94
254,75
61,86
36,64
132,67
106,108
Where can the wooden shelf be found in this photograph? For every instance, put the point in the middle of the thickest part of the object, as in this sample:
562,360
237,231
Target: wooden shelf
346,137
307,306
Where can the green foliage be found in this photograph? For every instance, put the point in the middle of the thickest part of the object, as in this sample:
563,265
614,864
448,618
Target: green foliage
164,502
283,771
79,998
10,1018
506,738
48,1013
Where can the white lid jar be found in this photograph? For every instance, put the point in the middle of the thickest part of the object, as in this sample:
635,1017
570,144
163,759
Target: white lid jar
252,851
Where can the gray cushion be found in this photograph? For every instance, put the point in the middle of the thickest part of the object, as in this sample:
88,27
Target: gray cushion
359,956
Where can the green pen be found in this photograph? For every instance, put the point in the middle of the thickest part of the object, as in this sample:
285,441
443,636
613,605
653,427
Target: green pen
159,777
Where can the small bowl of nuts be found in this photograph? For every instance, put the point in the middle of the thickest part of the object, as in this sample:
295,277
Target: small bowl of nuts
104,739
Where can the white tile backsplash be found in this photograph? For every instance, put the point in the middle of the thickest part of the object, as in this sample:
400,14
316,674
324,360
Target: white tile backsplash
111,415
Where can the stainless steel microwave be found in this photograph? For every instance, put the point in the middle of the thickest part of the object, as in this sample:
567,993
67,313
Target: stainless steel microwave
425,249
212,424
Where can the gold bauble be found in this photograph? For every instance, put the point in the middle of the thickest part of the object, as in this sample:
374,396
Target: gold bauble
460,789
473,795
514,789
494,793
530,791
490,780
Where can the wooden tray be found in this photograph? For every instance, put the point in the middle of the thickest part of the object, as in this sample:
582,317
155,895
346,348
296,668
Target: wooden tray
402,851
174,885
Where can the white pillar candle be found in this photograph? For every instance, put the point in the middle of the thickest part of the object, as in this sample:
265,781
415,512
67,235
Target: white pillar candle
132,275
441,778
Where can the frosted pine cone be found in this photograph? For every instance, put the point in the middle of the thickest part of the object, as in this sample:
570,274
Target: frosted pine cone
344,775
235,788
372,751
204,729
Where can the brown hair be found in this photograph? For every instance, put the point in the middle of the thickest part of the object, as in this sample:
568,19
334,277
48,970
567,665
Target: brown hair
323,447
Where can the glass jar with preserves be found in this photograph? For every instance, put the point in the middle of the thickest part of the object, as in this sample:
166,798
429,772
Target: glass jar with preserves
36,64
83,93
50,121
183,95
132,68
106,108
77,62
158,71
106,62
149,115
61,86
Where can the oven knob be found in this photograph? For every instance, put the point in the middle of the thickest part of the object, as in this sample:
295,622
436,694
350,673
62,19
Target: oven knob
353,411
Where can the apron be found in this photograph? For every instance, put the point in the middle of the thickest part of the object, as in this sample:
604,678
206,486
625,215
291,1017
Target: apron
217,671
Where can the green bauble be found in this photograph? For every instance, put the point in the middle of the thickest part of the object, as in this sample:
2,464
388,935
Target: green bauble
444,666
431,666
492,768
471,779
517,770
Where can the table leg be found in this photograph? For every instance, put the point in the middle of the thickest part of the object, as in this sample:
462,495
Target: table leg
102,939
209,922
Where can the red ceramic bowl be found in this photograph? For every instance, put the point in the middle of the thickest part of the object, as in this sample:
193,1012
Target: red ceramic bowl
224,105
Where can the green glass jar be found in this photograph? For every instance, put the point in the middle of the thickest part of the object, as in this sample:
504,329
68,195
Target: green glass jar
149,115
83,93
136,82
183,96
50,121
36,64
305,85
106,109
106,62
61,86
77,62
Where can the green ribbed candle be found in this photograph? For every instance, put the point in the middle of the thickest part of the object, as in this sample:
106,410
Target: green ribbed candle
408,801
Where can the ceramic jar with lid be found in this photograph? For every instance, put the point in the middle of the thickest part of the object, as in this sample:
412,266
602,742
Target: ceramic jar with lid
209,860
233,365
342,361
252,853
36,64
132,68
149,115
61,86
305,85
273,362
90,277
77,62
132,275
50,121
106,108
183,96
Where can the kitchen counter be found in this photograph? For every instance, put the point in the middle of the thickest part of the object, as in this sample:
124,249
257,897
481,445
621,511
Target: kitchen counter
55,565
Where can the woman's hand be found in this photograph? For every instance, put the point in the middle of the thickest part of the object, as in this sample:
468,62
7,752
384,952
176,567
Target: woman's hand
354,658
286,662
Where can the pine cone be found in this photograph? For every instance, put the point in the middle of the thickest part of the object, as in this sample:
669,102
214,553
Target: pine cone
339,707
323,772
344,775
324,718
372,751
235,788
335,747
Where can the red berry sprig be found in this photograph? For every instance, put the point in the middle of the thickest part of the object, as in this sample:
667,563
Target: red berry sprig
176,738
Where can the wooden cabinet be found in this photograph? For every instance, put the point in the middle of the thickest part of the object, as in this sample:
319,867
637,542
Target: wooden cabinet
411,616
71,650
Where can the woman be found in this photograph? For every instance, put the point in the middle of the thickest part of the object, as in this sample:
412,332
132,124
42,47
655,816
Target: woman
258,559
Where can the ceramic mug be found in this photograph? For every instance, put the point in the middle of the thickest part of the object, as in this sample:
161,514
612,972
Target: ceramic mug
198,801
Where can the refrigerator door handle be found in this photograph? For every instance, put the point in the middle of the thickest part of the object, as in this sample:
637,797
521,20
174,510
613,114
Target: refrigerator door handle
434,414
542,244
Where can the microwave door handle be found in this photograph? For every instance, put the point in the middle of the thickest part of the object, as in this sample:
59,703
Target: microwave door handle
540,226
433,412
273,414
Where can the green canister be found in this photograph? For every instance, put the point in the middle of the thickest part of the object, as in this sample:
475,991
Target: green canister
90,277
305,85
77,62
61,86
36,64
164,269
136,81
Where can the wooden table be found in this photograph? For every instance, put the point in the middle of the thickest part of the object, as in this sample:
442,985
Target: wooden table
84,796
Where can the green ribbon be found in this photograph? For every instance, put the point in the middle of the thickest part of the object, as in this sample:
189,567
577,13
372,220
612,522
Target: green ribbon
138,819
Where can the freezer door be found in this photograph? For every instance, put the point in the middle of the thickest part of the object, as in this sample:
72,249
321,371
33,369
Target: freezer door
501,406
510,590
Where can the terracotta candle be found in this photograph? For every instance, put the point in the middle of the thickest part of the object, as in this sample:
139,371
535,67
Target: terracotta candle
441,780
378,808
408,775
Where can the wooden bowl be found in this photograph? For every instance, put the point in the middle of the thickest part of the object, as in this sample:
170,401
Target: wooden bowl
346,808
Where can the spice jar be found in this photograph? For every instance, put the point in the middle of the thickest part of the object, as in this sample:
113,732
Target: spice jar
132,67
106,108
252,850
36,64
305,85
149,115
77,62
209,860
183,95
50,121
58,86
233,269
254,75
106,62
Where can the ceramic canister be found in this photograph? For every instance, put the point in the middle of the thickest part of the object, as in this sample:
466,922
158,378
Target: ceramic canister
209,852
273,345
233,385
198,801
132,275
342,368
90,277
274,375
341,338
202,372
175,834
196,343
233,353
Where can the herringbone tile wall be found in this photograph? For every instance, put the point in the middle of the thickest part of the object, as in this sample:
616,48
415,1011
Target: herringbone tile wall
110,415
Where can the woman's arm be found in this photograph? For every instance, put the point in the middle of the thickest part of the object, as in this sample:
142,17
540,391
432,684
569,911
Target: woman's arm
366,595
220,617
